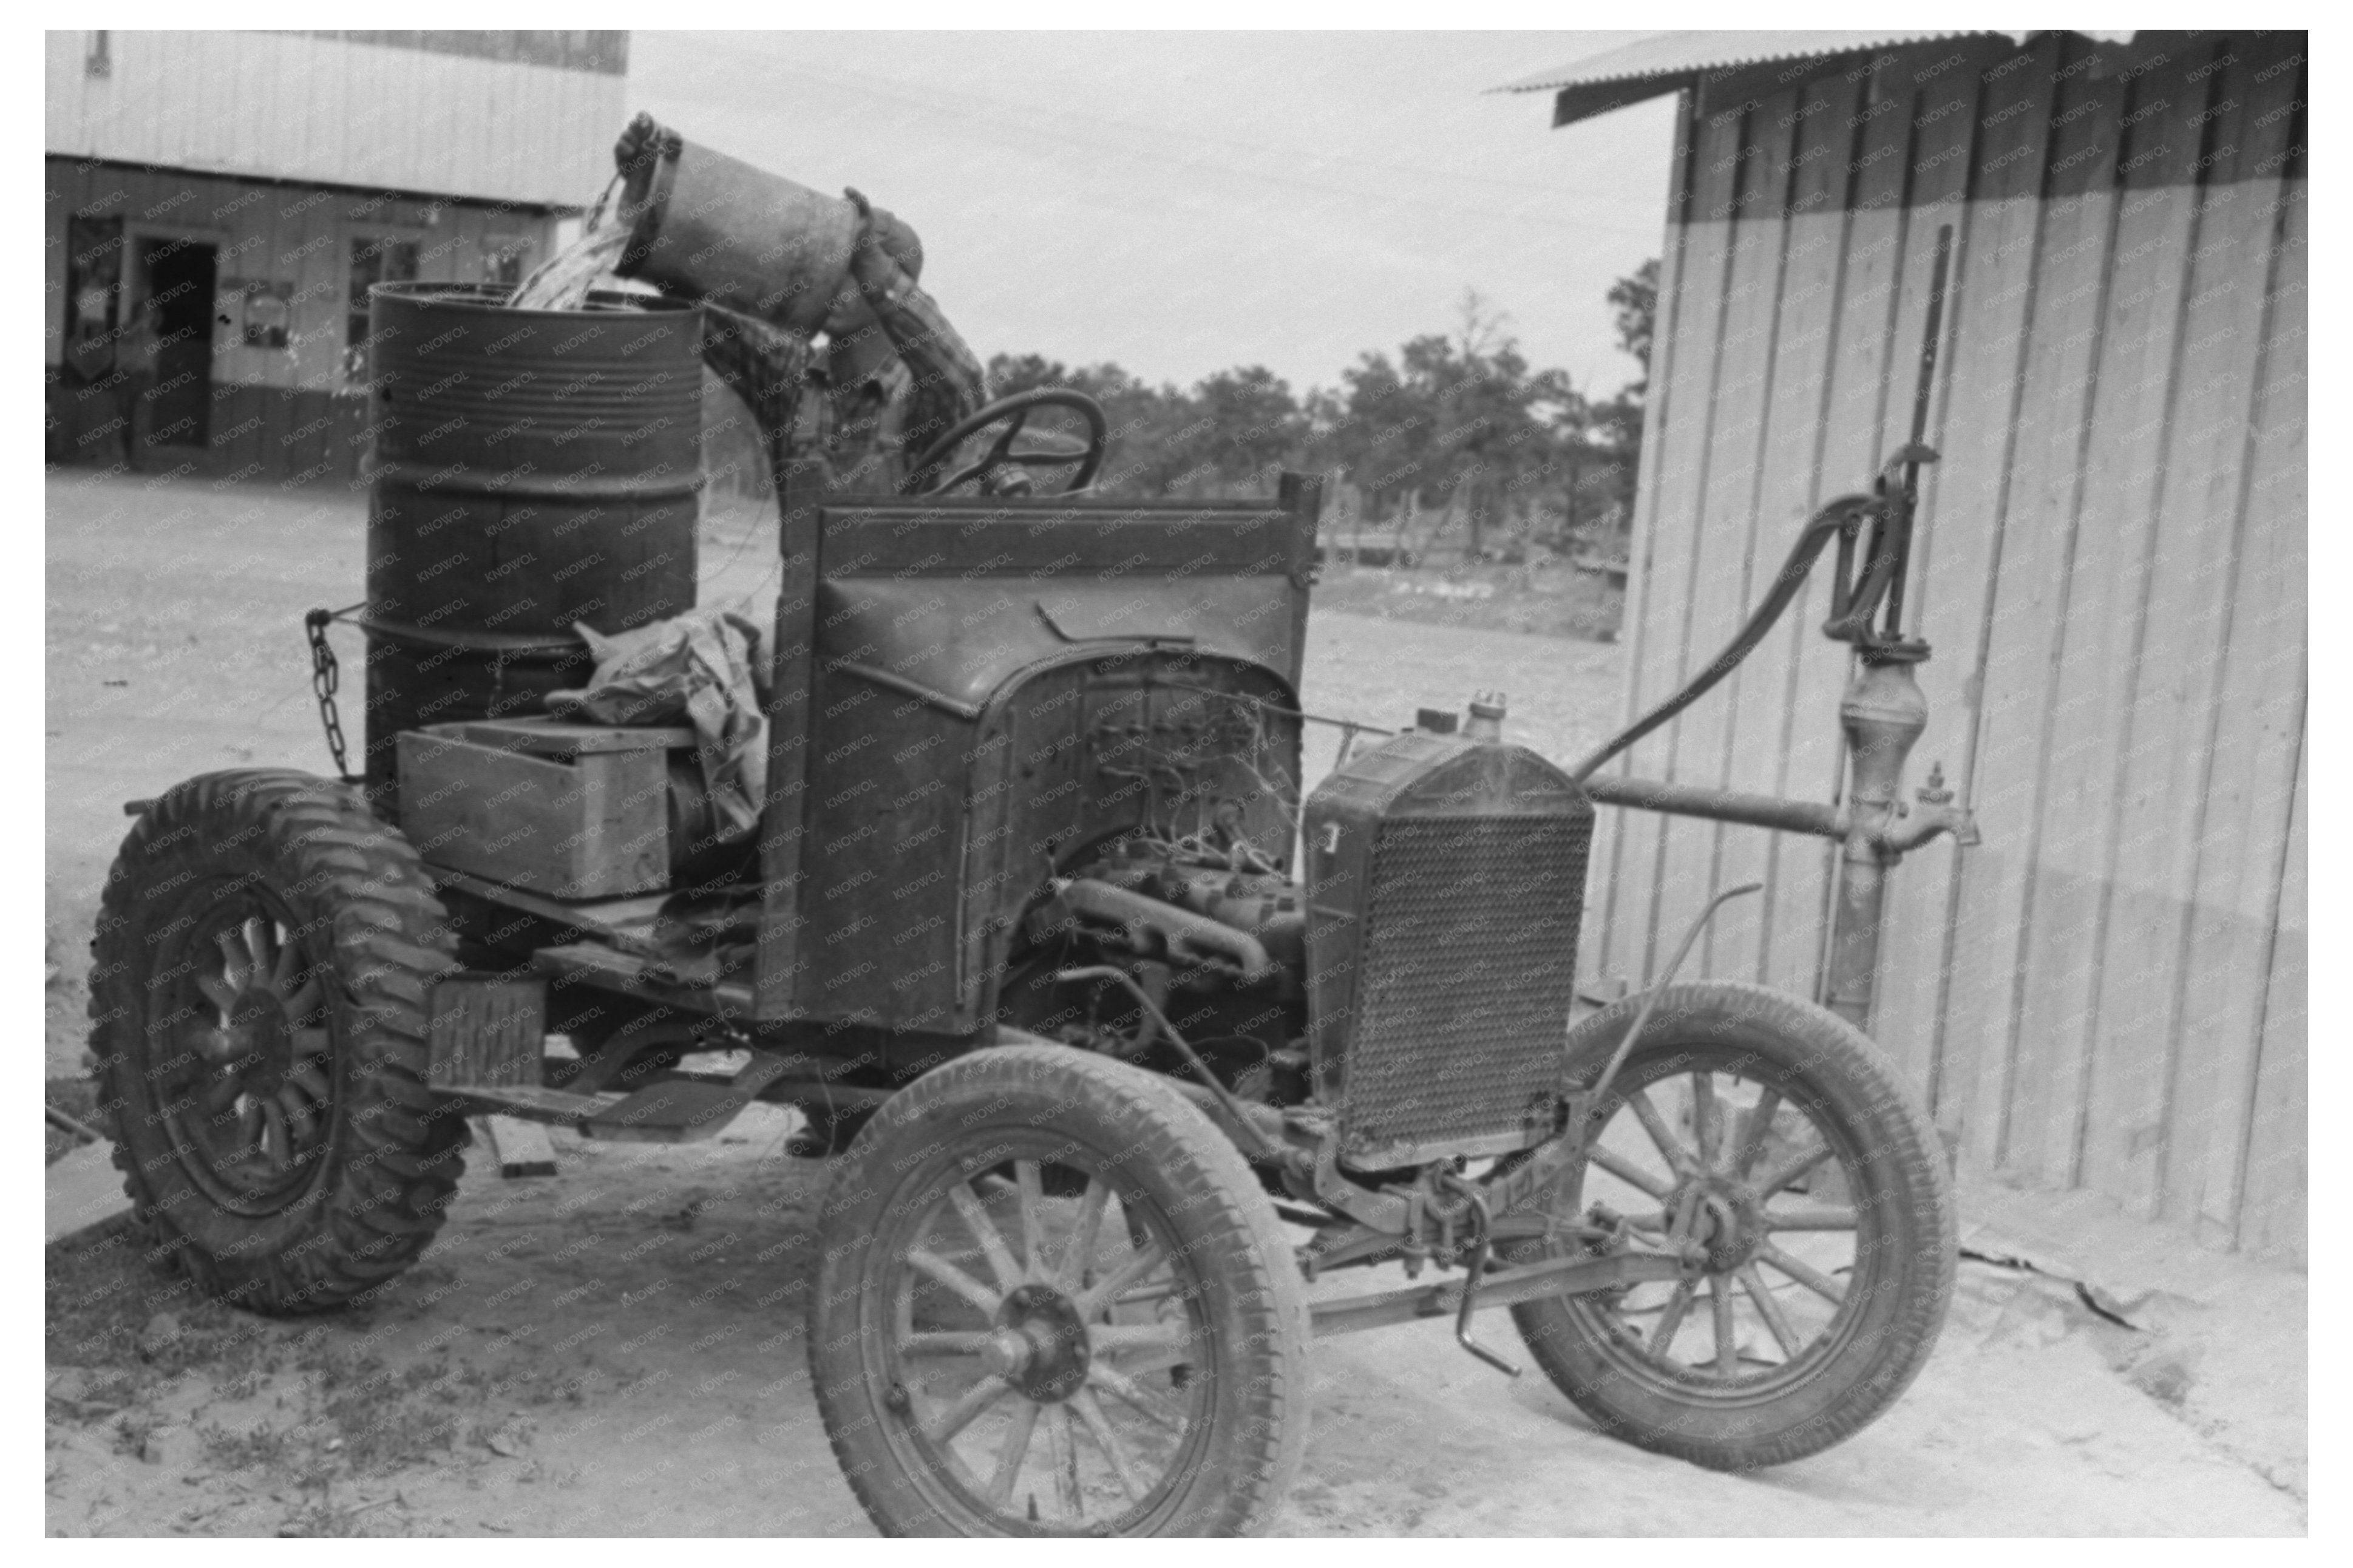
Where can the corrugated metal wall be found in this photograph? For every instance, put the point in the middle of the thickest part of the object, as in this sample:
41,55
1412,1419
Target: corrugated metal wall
2110,992
336,111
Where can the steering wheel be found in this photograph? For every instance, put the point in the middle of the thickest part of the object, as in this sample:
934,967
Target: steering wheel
1045,450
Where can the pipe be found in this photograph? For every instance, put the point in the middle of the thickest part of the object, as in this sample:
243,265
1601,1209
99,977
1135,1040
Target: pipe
1270,1143
1721,805
1180,929
1921,823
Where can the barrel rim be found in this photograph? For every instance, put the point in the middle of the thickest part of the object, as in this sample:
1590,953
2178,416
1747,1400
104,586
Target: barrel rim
493,297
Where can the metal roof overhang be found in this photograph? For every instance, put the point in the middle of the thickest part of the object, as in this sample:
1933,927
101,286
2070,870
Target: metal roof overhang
1668,62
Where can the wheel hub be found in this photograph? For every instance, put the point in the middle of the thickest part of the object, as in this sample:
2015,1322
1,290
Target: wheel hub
1039,1344
1728,1225
260,1042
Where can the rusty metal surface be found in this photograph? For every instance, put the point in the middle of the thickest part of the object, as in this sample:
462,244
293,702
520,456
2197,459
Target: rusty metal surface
948,676
530,469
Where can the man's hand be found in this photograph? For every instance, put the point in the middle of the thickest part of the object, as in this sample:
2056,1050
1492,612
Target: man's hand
869,265
632,144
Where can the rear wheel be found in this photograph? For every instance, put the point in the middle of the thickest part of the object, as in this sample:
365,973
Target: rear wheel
258,995
1053,1300
1777,1142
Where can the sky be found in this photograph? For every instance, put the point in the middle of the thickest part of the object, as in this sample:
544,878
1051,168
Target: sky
1180,203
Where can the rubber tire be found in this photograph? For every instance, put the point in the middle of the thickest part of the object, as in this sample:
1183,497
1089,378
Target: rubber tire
1850,1081
1209,1199
392,1161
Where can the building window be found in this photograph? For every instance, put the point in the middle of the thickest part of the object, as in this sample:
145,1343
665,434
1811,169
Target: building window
375,258
505,259
99,61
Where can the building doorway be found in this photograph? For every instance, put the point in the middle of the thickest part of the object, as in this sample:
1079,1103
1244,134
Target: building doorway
375,258
182,276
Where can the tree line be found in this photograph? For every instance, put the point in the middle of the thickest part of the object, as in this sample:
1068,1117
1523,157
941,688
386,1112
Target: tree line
1457,424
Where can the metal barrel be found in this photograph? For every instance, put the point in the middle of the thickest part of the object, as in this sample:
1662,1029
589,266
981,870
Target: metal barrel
529,469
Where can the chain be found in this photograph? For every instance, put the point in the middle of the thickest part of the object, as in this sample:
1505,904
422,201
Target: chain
326,675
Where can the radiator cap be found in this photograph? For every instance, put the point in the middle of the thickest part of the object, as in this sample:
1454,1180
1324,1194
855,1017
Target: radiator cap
1486,718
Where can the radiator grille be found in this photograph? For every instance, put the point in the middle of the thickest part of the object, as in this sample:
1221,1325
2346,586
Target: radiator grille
1469,961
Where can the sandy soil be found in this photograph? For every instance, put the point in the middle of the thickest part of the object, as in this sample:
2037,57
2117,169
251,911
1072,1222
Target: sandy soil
636,1320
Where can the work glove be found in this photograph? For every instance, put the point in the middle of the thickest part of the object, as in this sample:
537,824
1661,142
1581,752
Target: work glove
641,137
869,264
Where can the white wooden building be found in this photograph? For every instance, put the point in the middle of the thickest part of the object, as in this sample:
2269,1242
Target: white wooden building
255,183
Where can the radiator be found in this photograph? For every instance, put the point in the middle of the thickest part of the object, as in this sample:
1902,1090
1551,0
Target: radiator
1445,882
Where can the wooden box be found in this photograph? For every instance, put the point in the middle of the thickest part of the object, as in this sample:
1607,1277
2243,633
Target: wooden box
572,811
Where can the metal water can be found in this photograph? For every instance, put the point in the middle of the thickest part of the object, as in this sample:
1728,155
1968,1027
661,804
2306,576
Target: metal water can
716,228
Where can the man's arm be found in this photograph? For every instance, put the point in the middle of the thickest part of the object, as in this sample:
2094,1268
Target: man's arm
948,381
763,365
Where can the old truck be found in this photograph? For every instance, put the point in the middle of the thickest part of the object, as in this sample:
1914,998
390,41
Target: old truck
1121,1043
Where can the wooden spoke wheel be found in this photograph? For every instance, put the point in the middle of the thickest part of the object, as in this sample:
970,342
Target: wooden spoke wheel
1773,1148
1053,1300
258,1005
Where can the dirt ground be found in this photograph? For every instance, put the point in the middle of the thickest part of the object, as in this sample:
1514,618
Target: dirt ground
636,1318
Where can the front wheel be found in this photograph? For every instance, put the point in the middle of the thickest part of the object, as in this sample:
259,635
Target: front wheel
1771,1142
1053,1301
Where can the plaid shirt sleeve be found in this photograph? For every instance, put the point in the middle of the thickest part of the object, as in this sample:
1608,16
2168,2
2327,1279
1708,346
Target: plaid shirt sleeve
948,382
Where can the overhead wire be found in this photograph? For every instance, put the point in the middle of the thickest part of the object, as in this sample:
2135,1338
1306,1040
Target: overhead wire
1023,121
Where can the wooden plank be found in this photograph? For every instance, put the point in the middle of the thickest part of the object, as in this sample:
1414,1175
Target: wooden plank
2274,580
2079,375
2156,223
1725,529
81,1190
1606,941
553,738
2139,1041
2032,529
1671,559
2255,726
1788,483
518,1148
2272,1214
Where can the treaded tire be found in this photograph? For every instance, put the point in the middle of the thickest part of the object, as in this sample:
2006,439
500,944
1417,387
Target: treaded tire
1896,1170
1164,1157
357,913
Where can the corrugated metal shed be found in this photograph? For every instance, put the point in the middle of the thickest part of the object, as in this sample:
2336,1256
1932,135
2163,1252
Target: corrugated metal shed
1669,62
334,110
2110,993
1664,54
